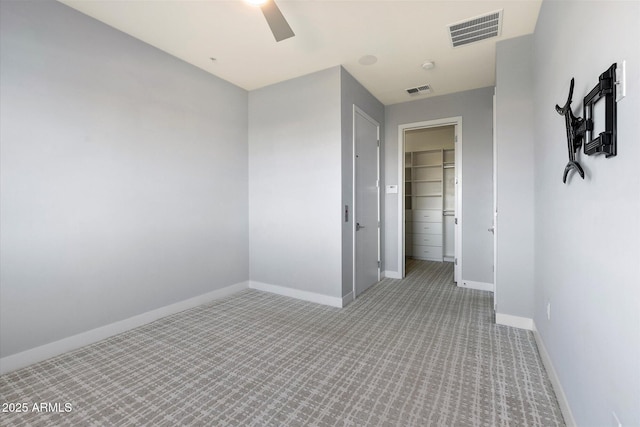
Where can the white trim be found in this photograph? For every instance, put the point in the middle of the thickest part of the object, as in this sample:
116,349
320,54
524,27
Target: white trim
353,200
514,321
457,268
481,286
347,299
392,274
555,380
495,202
297,294
449,121
46,351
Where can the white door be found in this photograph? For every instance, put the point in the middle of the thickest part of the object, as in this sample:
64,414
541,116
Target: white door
366,201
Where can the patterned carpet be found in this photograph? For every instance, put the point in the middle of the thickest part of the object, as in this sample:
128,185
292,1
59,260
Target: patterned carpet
416,352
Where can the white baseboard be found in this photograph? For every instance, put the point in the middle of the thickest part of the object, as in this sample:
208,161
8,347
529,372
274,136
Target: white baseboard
46,351
555,380
481,286
514,321
392,274
297,294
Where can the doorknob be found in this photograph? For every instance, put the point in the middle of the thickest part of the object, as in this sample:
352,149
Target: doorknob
491,229
358,226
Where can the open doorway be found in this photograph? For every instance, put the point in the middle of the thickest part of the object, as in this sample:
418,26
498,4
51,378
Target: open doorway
430,165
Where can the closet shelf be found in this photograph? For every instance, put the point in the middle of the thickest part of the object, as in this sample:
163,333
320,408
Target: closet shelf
429,197
438,165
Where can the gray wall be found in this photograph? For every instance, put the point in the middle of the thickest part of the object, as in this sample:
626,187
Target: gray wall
476,109
587,248
514,137
295,215
352,92
123,177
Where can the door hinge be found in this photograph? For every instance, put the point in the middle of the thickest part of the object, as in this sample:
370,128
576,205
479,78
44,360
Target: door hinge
378,224
455,221
378,143
455,261
456,138
378,264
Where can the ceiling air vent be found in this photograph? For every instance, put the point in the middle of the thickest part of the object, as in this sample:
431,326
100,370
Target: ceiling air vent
476,29
424,89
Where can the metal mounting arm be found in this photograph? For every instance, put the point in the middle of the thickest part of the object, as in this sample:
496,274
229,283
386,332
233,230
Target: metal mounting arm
575,134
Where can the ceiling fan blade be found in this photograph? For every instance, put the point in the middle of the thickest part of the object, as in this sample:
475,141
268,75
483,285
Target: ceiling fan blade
279,26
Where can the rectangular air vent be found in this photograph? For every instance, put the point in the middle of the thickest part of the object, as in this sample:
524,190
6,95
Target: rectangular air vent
476,29
424,89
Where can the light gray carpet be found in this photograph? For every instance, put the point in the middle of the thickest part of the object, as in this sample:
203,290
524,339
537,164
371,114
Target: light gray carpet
416,352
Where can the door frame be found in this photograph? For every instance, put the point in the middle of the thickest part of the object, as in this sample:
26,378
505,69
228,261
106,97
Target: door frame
455,121
495,205
358,110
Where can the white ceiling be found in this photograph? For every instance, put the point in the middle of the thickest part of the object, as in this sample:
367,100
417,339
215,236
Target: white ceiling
401,34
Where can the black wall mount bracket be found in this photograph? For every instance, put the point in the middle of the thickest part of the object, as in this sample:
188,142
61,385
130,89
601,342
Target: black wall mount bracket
580,130
605,142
